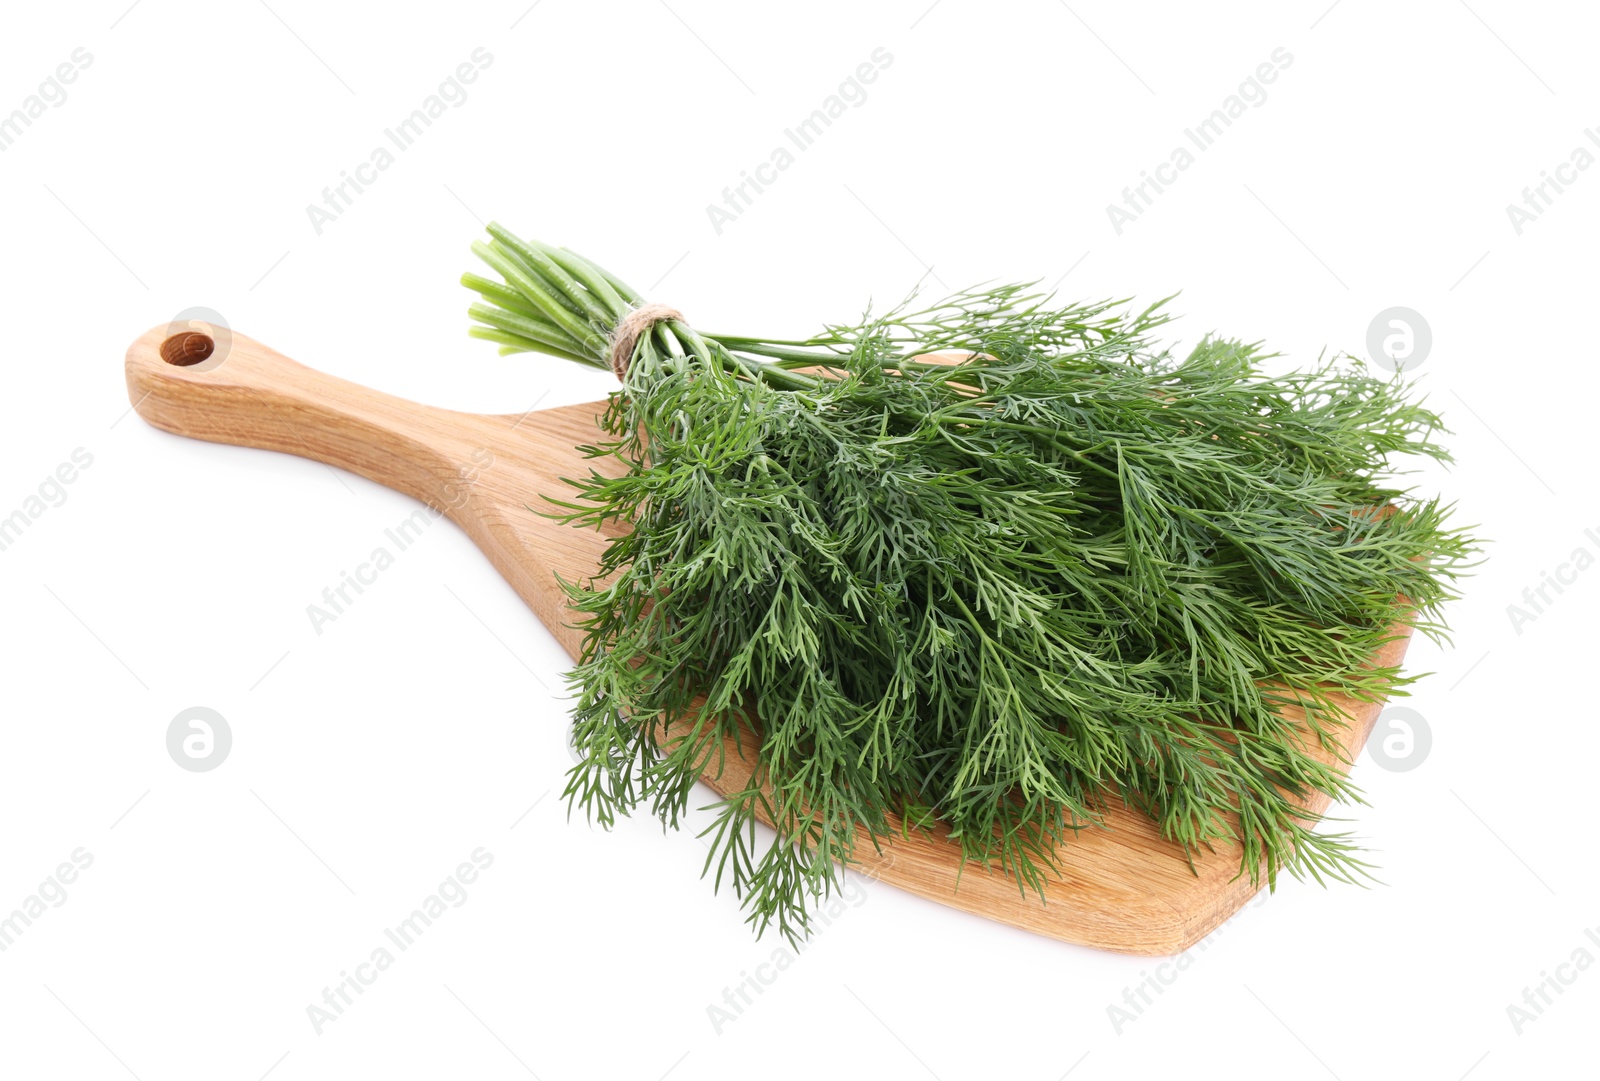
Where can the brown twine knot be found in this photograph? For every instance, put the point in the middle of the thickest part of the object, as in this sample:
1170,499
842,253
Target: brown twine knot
636,323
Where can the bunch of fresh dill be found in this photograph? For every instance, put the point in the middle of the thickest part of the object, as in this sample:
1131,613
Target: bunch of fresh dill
987,598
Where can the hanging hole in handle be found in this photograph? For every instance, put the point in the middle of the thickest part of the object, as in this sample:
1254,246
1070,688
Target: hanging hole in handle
188,348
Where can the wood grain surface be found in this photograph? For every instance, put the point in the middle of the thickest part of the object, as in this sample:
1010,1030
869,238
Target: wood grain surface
1122,887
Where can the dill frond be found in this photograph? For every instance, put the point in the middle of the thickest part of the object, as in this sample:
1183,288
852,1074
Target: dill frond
995,595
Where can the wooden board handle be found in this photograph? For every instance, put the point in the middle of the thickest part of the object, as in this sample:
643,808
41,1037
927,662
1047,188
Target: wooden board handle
197,379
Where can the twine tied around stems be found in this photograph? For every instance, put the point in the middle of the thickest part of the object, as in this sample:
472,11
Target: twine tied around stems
626,336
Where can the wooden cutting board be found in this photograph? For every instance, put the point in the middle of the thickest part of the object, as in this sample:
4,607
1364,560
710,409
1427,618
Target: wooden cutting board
1122,888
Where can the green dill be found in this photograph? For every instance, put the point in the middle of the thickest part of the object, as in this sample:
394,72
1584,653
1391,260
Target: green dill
992,597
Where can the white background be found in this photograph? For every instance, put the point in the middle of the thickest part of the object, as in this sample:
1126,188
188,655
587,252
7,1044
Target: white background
370,760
